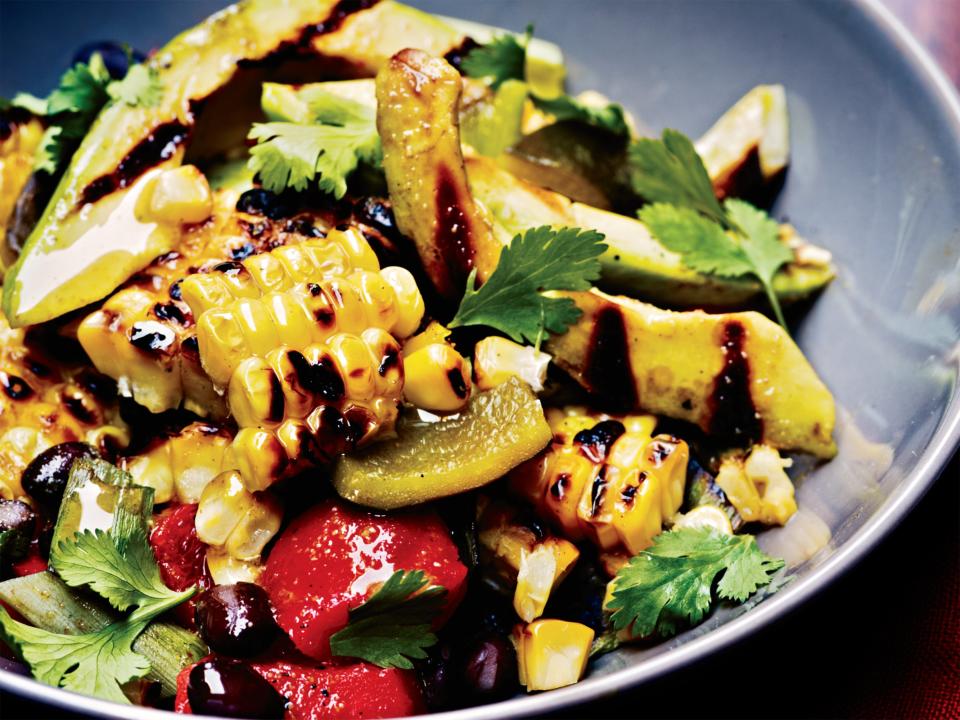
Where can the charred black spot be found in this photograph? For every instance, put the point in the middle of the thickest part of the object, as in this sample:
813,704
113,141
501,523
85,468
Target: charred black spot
457,383
597,490
277,404
171,312
660,451
607,371
687,404
314,289
377,213
559,487
325,316
338,432
320,378
628,494
341,11
151,336
191,346
390,360
243,252
733,414
343,227
230,268
74,403
259,201
37,367
15,387
596,442
176,290
303,226
158,146
100,386
166,259
453,235
455,57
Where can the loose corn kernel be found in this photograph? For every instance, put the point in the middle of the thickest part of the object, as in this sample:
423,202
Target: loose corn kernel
709,516
437,378
551,653
604,482
532,564
496,360
410,306
232,518
180,195
433,333
179,467
227,570
758,487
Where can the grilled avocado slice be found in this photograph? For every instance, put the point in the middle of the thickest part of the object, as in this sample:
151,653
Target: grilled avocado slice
738,376
93,234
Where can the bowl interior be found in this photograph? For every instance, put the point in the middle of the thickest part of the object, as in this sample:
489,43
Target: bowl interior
874,177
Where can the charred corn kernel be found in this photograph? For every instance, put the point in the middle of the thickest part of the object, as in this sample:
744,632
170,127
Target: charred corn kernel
758,487
259,457
410,306
606,483
432,334
356,366
520,557
227,570
179,467
496,360
231,517
180,195
17,153
437,378
336,255
551,653
310,312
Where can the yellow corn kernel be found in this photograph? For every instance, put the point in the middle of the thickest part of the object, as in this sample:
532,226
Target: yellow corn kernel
409,301
379,299
361,255
708,516
386,356
540,571
231,517
758,487
437,378
355,365
552,653
180,195
255,395
227,570
432,334
667,458
259,457
496,360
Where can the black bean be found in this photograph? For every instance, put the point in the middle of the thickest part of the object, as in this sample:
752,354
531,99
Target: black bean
490,668
438,677
114,56
45,478
231,688
236,619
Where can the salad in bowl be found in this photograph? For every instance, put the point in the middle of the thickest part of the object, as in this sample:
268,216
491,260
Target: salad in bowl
352,367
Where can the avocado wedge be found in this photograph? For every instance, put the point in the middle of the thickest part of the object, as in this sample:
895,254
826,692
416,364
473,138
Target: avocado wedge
635,263
738,376
94,234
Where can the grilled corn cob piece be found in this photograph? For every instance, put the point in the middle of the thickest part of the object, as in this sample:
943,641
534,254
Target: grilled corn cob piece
44,403
16,163
606,481
307,313
757,485
179,467
551,653
144,336
281,269
534,564
236,520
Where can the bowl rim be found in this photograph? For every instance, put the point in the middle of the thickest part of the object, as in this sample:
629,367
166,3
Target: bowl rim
933,460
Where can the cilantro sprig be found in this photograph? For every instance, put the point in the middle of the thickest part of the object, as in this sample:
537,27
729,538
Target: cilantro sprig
733,239
505,57
341,134
670,584
83,91
393,626
539,260
124,572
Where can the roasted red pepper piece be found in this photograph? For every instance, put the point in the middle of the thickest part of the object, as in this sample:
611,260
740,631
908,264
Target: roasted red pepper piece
336,555
180,555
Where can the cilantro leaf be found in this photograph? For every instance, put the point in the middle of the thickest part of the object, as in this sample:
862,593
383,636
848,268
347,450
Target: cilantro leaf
540,259
31,103
609,117
343,134
503,58
670,583
670,171
96,663
123,578
140,87
702,243
393,626
761,245
82,90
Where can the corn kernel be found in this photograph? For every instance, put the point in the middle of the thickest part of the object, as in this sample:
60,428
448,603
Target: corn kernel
180,195
496,360
758,487
361,255
552,653
355,366
255,529
410,306
227,570
437,379
433,333
255,395
231,517
540,571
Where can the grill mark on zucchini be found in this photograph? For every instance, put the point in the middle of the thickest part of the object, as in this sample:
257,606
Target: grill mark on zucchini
607,370
453,234
732,412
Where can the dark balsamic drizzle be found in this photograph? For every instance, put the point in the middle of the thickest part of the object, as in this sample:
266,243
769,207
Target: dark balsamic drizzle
607,371
732,412
453,233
